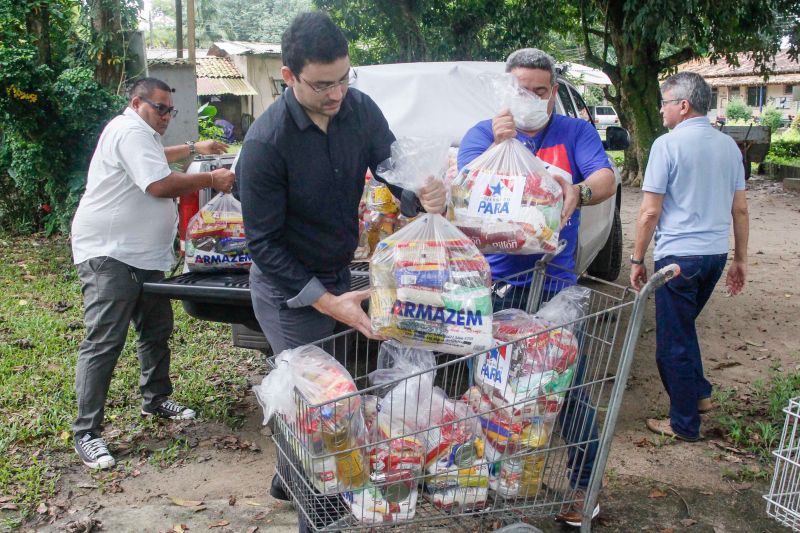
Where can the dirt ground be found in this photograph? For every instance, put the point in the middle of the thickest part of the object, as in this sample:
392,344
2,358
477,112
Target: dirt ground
741,338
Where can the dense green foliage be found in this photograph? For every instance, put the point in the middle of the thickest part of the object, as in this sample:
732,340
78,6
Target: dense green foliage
737,110
772,118
51,112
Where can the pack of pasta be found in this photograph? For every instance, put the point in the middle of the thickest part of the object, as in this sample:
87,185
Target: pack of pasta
507,202
215,237
431,289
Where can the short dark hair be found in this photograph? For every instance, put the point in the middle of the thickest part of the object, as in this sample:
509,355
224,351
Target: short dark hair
532,58
312,38
144,88
689,86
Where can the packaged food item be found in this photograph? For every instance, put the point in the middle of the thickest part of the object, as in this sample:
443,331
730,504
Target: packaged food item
438,285
379,198
507,202
333,434
215,237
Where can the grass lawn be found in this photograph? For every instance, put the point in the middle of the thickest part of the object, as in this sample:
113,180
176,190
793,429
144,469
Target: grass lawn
41,327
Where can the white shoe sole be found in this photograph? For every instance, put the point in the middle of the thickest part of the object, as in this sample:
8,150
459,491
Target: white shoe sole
188,414
594,515
98,465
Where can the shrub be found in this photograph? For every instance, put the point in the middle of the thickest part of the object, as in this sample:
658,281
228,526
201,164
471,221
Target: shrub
737,110
772,118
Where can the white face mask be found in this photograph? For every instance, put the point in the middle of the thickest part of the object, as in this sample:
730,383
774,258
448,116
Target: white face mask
529,111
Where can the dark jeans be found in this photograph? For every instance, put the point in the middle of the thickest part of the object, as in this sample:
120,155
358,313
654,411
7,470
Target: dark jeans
678,304
578,417
112,299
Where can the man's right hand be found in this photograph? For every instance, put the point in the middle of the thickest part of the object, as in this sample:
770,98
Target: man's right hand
347,310
222,179
503,126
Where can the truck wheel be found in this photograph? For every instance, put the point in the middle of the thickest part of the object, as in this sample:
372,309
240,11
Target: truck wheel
608,262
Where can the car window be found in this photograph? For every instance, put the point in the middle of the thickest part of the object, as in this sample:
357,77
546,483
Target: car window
566,101
603,110
583,111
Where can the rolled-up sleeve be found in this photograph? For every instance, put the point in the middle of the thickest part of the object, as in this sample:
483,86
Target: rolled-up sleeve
263,183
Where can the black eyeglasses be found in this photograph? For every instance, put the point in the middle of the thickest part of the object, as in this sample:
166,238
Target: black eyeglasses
161,109
664,102
320,88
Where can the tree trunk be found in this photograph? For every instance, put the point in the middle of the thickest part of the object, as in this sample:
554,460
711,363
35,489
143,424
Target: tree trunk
107,30
639,93
37,23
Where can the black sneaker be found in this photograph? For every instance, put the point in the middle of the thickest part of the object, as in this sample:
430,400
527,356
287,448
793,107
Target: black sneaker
93,451
277,491
171,410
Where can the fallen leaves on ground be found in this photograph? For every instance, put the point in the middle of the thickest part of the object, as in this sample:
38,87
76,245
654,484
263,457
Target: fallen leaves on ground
221,523
688,522
657,493
644,442
232,442
232,500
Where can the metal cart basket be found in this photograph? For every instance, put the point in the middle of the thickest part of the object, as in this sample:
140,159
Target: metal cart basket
525,458
783,500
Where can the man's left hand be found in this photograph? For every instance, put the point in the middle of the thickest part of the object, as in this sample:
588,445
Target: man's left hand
210,147
433,196
570,199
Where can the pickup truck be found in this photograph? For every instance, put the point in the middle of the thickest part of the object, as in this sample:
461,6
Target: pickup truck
418,99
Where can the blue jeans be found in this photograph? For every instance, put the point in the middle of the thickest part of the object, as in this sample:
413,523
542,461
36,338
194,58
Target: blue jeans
578,418
678,303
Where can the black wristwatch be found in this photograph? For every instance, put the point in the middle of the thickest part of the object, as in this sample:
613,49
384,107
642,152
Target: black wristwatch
636,261
585,195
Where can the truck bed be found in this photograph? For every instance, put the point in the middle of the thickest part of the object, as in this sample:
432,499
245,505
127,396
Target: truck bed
225,297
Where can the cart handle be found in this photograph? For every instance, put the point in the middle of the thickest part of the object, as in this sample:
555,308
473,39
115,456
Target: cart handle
660,278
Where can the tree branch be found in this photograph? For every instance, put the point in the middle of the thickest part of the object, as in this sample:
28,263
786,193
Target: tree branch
676,59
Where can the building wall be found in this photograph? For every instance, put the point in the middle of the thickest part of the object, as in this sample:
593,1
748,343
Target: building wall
181,77
260,71
776,96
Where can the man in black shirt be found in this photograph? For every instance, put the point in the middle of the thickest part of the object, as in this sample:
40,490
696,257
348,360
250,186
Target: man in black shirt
302,171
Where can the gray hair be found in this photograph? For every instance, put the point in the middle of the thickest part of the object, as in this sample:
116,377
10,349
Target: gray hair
532,58
689,86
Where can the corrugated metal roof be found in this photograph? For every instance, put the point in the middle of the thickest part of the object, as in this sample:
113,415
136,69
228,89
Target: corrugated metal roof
244,47
219,86
217,67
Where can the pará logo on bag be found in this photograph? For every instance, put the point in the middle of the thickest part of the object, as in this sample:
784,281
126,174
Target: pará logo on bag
497,196
496,364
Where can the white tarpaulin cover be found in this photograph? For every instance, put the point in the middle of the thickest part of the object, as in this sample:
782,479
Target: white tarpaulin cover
437,100
441,100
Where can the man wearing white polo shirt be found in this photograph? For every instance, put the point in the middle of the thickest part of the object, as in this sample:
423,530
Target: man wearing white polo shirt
693,191
122,237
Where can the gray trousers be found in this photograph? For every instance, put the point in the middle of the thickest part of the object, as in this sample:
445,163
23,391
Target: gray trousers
287,328
112,299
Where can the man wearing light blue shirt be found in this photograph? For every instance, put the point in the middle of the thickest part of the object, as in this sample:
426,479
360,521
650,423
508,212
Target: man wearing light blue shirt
693,189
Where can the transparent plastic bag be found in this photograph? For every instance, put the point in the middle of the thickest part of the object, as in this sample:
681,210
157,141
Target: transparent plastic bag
413,161
431,288
396,362
567,307
336,427
396,457
215,237
507,202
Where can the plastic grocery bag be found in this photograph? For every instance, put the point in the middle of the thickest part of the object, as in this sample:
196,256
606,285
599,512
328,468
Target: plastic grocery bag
413,161
396,362
431,288
215,237
396,458
568,306
308,376
507,202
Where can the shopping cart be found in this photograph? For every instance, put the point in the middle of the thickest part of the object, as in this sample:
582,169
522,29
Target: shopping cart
533,471
783,500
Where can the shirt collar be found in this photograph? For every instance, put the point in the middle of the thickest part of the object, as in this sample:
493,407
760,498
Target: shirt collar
696,121
135,116
300,116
